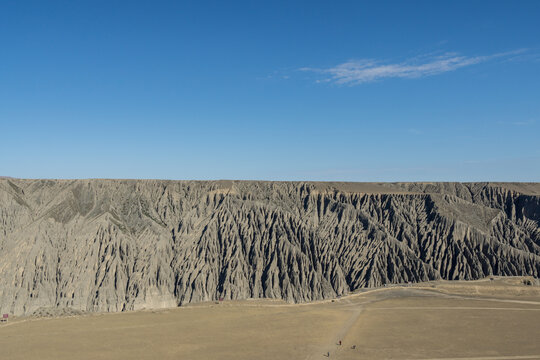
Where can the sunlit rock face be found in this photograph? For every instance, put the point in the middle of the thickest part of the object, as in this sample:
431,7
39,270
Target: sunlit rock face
114,245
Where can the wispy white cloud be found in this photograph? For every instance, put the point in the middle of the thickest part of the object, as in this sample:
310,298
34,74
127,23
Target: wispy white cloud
518,123
356,72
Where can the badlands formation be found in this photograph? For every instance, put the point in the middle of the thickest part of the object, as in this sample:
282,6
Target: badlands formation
114,245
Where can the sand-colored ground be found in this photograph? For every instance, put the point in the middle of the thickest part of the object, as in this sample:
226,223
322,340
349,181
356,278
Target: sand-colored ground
429,321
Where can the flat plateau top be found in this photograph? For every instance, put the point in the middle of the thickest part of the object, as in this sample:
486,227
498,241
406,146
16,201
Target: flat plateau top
351,187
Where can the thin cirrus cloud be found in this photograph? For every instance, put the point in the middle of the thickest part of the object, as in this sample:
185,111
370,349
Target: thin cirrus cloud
357,72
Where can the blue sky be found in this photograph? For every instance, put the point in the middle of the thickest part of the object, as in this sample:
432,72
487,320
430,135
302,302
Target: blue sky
351,91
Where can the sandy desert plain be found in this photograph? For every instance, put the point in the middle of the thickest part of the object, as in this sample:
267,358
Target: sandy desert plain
485,319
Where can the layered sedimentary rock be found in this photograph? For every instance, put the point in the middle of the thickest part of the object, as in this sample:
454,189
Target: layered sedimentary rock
114,245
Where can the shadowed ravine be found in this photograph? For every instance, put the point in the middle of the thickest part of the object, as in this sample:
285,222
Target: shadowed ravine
113,245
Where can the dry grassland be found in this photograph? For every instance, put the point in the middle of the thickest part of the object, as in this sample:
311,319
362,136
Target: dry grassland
429,321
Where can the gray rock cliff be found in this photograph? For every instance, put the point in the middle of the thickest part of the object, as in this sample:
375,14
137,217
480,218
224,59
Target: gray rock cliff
114,245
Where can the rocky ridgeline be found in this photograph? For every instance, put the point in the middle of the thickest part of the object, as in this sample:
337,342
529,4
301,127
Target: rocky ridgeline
114,245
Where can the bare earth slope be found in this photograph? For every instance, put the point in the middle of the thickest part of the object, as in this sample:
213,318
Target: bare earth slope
113,245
